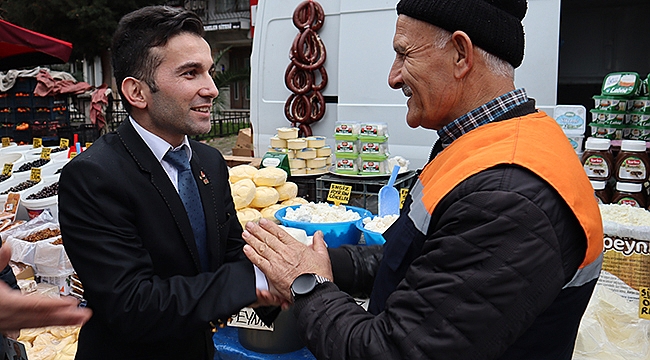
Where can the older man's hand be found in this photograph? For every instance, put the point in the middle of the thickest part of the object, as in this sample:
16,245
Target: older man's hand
282,258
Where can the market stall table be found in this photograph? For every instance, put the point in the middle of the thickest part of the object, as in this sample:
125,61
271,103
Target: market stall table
228,347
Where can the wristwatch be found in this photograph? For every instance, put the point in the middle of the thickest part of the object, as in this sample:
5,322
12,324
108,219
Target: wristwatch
305,284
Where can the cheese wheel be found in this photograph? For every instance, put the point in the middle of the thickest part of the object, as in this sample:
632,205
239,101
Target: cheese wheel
287,190
287,133
316,141
270,177
269,212
306,153
264,196
316,162
248,214
297,144
243,192
276,142
240,172
297,163
295,201
298,171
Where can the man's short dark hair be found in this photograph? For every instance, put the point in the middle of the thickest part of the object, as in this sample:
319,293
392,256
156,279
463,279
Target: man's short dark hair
140,31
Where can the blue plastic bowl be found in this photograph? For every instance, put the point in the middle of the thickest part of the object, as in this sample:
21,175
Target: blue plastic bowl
335,234
370,237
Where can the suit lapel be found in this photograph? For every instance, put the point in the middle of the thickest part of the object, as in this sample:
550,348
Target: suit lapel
204,182
148,163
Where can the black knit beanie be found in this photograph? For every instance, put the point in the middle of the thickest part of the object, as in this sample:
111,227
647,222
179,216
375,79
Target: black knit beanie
493,25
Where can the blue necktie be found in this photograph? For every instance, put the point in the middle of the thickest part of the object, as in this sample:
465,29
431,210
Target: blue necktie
189,194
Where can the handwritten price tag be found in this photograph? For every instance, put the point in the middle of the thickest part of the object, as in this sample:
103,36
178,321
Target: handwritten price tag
644,303
73,154
7,169
35,175
64,143
38,142
45,153
339,194
5,141
403,193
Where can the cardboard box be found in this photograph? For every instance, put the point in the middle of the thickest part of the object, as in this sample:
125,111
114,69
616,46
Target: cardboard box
232,160
237,151
245,139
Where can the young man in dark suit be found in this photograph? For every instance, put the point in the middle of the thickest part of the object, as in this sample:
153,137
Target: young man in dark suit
159,271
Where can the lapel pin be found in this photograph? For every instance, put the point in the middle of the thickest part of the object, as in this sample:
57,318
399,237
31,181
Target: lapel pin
204,178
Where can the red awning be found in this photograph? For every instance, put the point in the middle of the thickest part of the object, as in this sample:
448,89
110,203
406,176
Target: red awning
20,48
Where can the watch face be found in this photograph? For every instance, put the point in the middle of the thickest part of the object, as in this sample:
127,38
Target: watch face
303,284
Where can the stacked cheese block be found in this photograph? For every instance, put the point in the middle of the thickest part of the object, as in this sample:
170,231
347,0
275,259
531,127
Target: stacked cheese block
361,148
307,155
260,193
50,343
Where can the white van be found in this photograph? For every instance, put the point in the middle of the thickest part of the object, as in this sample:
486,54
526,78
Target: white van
358,37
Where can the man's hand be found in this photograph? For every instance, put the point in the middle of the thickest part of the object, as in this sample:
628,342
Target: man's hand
282,258
19,311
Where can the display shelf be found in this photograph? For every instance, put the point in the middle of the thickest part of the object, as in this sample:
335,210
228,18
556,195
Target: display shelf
365,190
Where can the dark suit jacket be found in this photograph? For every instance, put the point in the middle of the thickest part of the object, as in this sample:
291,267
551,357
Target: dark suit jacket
129,239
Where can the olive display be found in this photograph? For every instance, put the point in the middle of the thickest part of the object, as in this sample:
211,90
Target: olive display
20,187
32,164
50,190
4,177
59,149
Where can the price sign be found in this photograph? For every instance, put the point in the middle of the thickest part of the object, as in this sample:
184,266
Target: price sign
5,141
38,142
644,303
88,144
45,153
402,196
7,169
64,143
73,154
339,194
35,176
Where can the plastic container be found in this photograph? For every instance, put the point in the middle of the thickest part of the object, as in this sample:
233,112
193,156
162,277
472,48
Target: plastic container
35,207
611,132
346,128
571,118
597,160
335,234
608,117
370,237
283,339
639,104
629,194
609,103
632,163
622,84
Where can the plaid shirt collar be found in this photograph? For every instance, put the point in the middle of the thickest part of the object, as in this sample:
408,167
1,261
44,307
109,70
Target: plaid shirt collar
482,115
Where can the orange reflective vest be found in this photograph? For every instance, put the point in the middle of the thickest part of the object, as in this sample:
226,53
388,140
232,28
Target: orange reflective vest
535,142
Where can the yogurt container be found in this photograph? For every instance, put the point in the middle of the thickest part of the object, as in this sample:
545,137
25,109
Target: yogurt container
608,117
622,84
639,104
638,133
572,119
638,118
610,103
611,132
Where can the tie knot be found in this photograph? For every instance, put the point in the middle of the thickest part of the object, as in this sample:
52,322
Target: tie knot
178,159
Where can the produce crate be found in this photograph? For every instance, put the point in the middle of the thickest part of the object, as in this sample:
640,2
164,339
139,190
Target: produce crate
6,115
24,84
6,99
23,99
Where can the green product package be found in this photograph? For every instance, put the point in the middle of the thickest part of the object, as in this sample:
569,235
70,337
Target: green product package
622,84
276,159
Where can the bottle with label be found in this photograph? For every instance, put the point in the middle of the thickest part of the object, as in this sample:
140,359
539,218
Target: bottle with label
597,159
632,162
601,191
629,194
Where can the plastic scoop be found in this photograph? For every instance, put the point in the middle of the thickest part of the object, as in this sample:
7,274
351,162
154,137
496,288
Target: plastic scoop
389,196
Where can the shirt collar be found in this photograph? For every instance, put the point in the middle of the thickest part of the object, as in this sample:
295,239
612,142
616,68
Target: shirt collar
158,146
482,115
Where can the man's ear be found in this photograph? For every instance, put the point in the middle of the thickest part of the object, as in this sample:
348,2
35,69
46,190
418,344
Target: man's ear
464,53
136,92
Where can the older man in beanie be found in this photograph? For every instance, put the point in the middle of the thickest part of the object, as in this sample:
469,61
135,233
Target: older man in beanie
498,246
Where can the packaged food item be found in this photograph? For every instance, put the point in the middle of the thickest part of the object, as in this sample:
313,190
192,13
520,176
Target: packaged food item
638,133
296,144
306,153
316,141
287,133
347,145
571,118
297,163
347,166
298,171
624,84
315,171
316,162
276,142
610,103
597,160
639,104
324,151
629,194
611,132
346,128
608,117
638,118
373,147
601,191
372,165
632,162
373,129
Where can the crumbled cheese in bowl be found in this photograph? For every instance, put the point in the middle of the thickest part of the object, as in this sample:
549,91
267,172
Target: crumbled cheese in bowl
379,224
625,214
321,213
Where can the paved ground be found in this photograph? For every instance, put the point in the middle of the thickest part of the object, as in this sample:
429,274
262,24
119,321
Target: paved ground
224,144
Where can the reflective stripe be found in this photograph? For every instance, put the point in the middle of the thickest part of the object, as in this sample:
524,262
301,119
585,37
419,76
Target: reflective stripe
417,212
586,274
